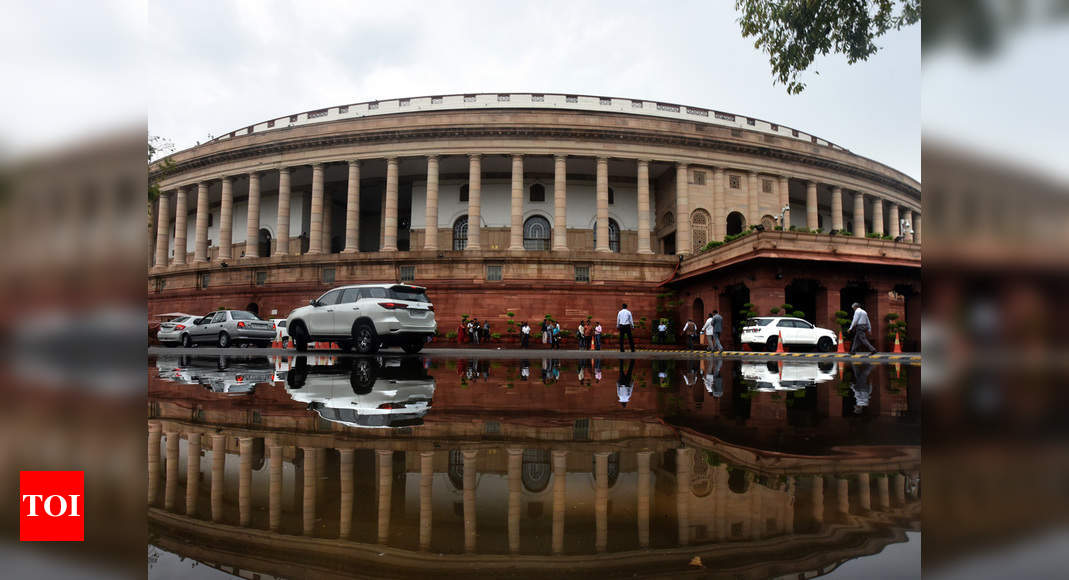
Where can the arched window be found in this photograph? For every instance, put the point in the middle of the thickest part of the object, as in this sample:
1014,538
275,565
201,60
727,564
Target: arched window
460,233
669,219
264,243
699,228
735,223
536,233
768,222
614,235
538,192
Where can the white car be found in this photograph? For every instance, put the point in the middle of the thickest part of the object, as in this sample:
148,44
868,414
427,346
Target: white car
366,316
282,336
764,331
787,375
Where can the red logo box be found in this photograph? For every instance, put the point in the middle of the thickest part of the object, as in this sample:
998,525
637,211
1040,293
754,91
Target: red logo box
51,506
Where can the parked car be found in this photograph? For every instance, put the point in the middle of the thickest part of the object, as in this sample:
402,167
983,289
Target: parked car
281,335
170,332
228,327
764,332
366,316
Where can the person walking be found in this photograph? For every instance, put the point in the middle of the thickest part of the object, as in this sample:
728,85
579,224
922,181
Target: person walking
473,333
860,327
556,336
597,335
624,322
525,334
662,332
713,326
580,335
545,332
486,331
690,330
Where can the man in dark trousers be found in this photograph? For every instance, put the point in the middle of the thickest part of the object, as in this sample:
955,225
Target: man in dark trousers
861,327
624,322
713,326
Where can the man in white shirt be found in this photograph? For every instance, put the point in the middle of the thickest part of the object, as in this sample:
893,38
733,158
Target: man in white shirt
624,322
861,327
712,328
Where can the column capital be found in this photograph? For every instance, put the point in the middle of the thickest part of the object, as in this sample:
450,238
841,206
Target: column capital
393,159
227,178
285,169
475,156
514,450
837,188
318,165
353,162
426,454
383,452
681,164
560,156
433,156
516,156
752,173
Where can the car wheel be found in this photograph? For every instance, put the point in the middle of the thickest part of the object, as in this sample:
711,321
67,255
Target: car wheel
224,340
412,347
770,344
300,338
824,344
366,339
187,341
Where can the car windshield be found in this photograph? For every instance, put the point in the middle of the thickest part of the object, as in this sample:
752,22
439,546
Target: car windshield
759,321
242,315
408,293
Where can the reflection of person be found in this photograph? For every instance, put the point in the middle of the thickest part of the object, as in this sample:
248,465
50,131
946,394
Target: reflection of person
624,385
597,370
525,369
861,327
714,383
624,322
861,387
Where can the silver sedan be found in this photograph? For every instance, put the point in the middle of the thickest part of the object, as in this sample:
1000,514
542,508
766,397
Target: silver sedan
170,333
225,328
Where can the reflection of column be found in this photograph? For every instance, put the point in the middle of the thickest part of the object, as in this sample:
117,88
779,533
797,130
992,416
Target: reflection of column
682,210
560,202
720,501
181,212
818,499
390,211
352,209
900,488
601,499
171,484
516,207
346,481
684,459
308,512
192,472
245,480
792,488
601,231
154,436
275,489
426,486
385,466
560,474
515,461
884,492
475,188
430,227
252,220
644,207
200,241
644,498
226,219
864,497
469,500
218,475
282,226
844,495
315,223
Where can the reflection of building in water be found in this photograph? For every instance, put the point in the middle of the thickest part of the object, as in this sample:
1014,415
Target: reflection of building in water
274,489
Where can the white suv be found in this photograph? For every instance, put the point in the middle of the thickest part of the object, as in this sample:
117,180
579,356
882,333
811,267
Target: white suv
366,316
765,331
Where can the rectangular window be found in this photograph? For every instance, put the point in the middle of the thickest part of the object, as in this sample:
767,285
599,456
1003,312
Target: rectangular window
669,108
408,273
344,109
734,182
293,118
571,99
469,98
503,98
751,122
404,102
699,112
538,98
724,116
604,101
261,278
766,185
372,106
317,114
636,104
794,132
775,127
699,178
493,273
582,273
161,283
328,275
204,280
270,124
436,100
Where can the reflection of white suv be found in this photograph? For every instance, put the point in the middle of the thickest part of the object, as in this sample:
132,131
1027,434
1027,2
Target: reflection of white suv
765,331
787,375
366,316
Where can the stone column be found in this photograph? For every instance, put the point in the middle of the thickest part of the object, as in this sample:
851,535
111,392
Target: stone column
181,212
469,499
844,495
226,220
385,473
602,188
218,475
837,208
864,493
818,499
916,227
154,438
274,490
719,204
192,472
812,217
601,500
516,233
560,476
884,492
345,518
245,481
163,227
515,461
352,210
171,481
308,499
426,486
200,242
644,498
859,214
644,207
390,209
877,216
560,203
753,202
893,218
475,187
252,223
684,460
315,225
682,210
328,221
785,200
430,227
282,227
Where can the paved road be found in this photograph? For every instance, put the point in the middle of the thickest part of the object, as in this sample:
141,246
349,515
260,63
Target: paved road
904,358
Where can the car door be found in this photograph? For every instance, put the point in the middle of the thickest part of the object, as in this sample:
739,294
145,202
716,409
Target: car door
785,328
320,320
211,330
346,311
200,327
807,333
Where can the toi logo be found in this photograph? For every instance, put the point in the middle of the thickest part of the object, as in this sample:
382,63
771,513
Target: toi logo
50,506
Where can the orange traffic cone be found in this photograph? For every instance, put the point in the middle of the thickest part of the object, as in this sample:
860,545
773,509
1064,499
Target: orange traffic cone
898,345
840,347
779,343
